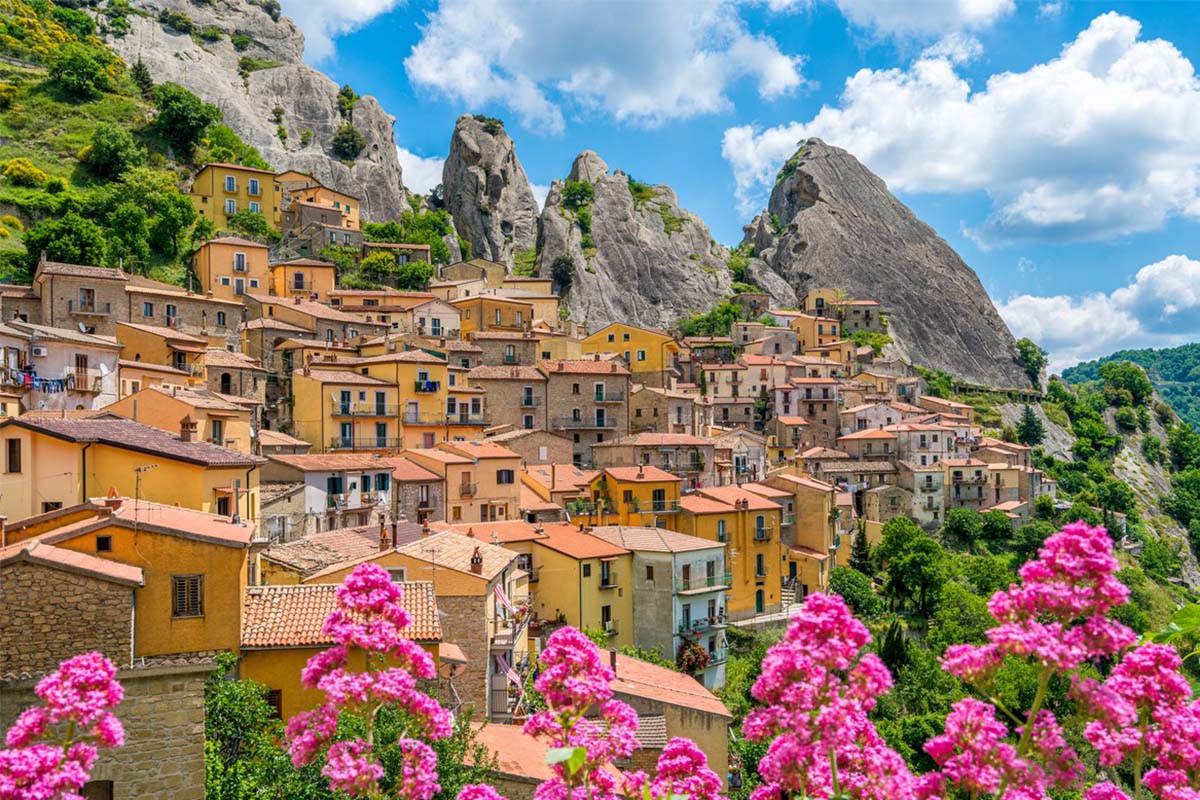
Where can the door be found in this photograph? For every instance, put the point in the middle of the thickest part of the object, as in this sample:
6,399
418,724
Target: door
346,435
381,434
239,286
600,419
758,602
344,397
81,370
226,383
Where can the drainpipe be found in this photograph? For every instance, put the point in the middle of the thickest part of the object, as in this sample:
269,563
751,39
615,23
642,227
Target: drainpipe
133,626
83,484
237,501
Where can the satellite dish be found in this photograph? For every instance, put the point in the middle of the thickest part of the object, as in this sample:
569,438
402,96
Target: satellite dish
82,328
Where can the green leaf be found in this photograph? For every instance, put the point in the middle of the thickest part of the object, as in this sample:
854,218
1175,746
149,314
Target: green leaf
572,757
1187,618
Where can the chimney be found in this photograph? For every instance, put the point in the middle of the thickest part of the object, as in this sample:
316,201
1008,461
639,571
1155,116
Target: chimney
385,537
477,562
595,356
641,471
424,528
612,660
297,299
113,500
187,429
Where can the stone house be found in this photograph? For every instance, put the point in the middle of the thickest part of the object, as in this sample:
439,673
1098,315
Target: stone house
19,302
691,457
507,348
535,446
153,303
927,482
516,395
883,503
815,399
590,398
740,455
655,410
418,495
80,298
233,373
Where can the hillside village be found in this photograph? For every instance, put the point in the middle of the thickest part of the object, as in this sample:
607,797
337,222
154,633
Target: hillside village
191,466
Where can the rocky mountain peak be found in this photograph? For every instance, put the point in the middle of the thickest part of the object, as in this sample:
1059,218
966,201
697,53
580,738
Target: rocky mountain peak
487,192
588,166
252,71
832,222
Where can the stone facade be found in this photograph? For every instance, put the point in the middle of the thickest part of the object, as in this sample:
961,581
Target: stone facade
196,314
519,400
502,349
96,303
576,412
407,498
50,615
464,623
537,446
163,715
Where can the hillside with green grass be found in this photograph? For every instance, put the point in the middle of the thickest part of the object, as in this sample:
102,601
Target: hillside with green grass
1174,372
93,154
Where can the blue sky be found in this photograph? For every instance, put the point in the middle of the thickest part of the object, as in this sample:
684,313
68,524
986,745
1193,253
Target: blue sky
1055,145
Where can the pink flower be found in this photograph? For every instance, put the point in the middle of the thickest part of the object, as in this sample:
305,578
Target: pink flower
683,771
350,769
1104,791
479,791
418,771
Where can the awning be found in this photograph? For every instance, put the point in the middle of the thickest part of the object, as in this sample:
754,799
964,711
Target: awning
230,490
187,348
452,653
807,552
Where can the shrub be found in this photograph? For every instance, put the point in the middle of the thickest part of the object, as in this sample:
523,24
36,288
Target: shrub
11,222
56,185
8,94
576,194
79,24
252,223
562,272
80,70
112,151
1126,419
492,125
141,78
22,172
248,64
1032,359
306,136
240,41
272,8
347,142
176,21
210,33
641,191
182,117
346,100
282,133
222,144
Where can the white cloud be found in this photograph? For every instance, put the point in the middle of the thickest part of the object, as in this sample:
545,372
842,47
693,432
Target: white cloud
1095,143
1052,9
642,63
908,18
324,20
1159,308
539,193
420,173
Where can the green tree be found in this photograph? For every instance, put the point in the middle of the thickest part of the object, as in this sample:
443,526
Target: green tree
1030,430
987,574
347,142
1043,508
182,117
1028,539
856,589
70,238
1032,358
963,525
1115,495
717,322
220,143
997,529
173,215
112,151
1080,512
1127,376
430,227
346,100
140,74
562,272
962,617
1183,445
916,575
893,649
81,70
897,536
253,224
1152,449
577,194
128,234
860,551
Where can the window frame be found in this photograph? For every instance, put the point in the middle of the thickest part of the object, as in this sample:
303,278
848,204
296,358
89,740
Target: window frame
186,609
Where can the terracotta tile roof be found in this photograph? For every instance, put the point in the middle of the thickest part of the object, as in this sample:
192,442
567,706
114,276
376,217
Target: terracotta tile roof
227,165
404,470
824,452
532,501
454,551
769,492
513,530
167,333
340,376
64,334
127,434
805,381
220,357
197,398
441,456
731,494
278,439
792,420
964,462
520,433
78,271
652,731
37,552
274,324
560,477
840,467
304,306
642,679
147,516
582,366
327,462
403,356
483,449
513,373
697,504
293,616
869,433
569,540
316,551
304,262
657,540
518,755
806,481
659,440
644,474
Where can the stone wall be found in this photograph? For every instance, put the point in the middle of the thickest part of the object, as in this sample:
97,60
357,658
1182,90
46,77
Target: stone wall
524,353
50,615
503,402
407,496
196,314
163,715
60,303
464,623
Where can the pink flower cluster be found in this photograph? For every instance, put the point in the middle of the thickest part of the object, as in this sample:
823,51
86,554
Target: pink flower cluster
369,617
575,681
1056,616
817,687
52,748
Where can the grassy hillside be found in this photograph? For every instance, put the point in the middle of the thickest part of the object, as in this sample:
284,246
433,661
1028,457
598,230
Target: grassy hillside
92,153
1174,371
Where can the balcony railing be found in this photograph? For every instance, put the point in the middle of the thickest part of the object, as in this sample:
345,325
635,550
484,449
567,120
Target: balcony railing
439,418
694,465
664,507
509,359
340,409
460,418
929,488
468,489
568,423
610,627
788,519
529,401
610,396
706,582
718,656
608,581
702,624
96,309
366,443
427,387
971,479
588,508
762,534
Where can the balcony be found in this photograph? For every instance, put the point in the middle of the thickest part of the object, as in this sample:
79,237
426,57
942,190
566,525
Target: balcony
508,359
427,387
587,508
610,396
722,581
610,627
89,309
468,489
664,507
366,443
788,519
929,488
976,480
473,418
569,423
702,624
438,418
718,656
763,534
340,409
609,580
529,401
507,631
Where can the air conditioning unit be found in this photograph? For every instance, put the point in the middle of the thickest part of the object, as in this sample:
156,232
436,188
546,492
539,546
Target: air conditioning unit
40,352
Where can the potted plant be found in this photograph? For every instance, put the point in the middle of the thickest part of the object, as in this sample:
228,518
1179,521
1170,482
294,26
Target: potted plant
692,657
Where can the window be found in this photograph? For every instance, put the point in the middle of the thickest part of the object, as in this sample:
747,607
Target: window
98,790
230,183
504,476
187,595
221,318
255,207
641,355
625,337
254,190
51,505
527,422
720,530
13,463
225,281
497,316
587,570
104,544
650,573
231,206
574,388
760,566
254,283
612,337
172,311
383,481
147,309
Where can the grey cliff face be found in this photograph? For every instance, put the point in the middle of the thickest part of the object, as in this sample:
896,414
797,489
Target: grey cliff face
840,227
486,191
650,262
308,98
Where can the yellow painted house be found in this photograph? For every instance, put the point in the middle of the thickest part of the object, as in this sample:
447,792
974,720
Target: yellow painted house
167,347
813,552
437,403
218,421
748,524
51,463
306,277
282,629
481,483
584,581
221,190
231,267
195,566
339,410
492,312
636,496
648,352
